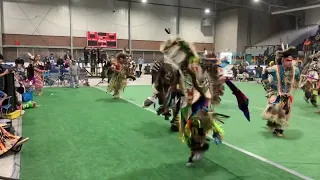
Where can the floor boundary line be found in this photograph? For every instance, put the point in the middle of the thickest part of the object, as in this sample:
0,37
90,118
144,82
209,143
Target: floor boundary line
233,147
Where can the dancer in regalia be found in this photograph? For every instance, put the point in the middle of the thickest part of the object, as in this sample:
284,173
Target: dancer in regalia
310,79
285,76
120,75
198,118
38,74
165,89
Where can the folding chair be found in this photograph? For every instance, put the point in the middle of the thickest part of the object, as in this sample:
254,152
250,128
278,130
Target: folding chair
240,77
5,108
54,77
83,76
66,79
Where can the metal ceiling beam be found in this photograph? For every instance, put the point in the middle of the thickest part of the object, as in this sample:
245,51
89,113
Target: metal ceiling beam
245,6
296,9
236,5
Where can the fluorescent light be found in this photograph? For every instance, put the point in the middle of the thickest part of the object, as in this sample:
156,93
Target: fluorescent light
207,11
256,1
144,1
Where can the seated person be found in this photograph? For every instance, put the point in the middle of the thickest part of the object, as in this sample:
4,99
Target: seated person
60,62
67,63
3,97
47,65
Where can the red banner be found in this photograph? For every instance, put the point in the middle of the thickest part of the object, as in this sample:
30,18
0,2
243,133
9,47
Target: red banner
101,39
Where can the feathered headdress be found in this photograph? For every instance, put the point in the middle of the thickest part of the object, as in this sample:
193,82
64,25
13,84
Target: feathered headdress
285,53
31,56
315,56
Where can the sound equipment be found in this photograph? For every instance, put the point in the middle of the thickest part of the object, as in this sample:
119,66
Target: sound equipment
9,89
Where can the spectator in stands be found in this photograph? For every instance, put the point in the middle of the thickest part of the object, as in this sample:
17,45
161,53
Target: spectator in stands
259,70
67,56
240,68
140,62
47,65
60,62
93,58
30,73
3,96
205,53
45,59
51,58
234,72
86,55
99,55
307,45
67,63
19,60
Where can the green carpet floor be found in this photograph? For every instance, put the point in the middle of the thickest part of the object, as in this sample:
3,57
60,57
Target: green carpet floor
85,134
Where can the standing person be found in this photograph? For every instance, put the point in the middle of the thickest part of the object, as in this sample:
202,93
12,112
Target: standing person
234,72
259,71
51,58
140,63
205,53
30,72
86,56
74,74
279,92
99,55
60,62
93,58
67,56
38,74
132,66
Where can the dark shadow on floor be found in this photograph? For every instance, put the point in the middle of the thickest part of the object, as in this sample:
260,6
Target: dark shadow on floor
153,129
292,134
289,134
111,100
203,170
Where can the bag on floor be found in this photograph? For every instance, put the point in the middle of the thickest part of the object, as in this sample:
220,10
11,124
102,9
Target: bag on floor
27,96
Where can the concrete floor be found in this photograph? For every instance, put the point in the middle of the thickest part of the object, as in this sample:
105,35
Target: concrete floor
10,163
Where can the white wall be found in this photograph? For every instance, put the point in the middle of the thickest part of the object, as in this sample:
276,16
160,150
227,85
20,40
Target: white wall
148,21
191,28
44,17
312,16
101,16
242,33
48,18
226,31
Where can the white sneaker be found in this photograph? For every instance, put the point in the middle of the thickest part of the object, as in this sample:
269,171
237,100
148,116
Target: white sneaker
197,157
189,164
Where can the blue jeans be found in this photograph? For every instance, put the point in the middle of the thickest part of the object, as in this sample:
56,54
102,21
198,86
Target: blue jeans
74,80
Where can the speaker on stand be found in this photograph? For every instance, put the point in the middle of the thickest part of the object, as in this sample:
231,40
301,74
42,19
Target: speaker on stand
9,89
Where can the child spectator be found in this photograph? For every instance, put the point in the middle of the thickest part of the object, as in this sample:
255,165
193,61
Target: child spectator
74,74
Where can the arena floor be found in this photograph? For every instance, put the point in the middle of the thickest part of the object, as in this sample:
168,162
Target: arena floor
85,134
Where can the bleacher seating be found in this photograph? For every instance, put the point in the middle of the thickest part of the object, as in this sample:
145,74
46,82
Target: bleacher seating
291,37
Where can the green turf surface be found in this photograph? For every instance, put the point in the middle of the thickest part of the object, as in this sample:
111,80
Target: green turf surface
298,150
85,134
